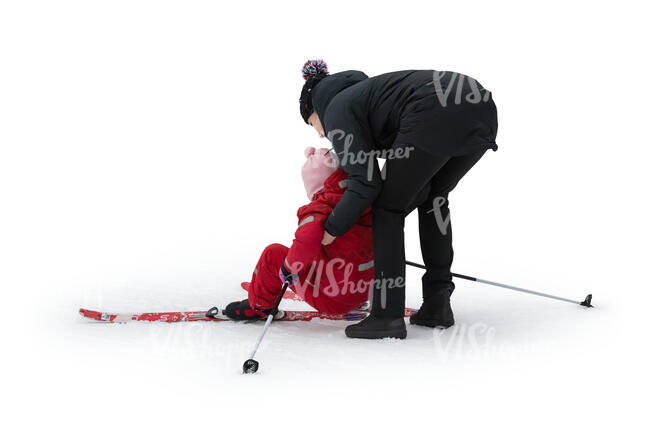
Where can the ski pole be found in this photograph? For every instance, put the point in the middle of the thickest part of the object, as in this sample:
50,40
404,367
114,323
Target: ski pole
251,365
585,303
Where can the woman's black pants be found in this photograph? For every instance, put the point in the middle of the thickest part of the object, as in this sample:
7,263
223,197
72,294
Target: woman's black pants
421,181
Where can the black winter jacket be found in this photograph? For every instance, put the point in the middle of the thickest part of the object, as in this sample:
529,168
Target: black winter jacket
444,113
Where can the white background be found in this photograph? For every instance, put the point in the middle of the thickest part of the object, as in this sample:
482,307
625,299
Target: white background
151,149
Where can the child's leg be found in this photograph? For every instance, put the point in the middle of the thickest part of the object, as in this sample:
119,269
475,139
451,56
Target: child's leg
337,303
266,284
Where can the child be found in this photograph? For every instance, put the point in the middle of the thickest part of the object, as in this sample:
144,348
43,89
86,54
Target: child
334,279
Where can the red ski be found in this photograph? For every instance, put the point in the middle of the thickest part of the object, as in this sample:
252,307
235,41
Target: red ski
173,316
199,316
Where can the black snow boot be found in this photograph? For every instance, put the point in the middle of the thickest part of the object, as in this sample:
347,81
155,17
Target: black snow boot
435,312
241,310
373,327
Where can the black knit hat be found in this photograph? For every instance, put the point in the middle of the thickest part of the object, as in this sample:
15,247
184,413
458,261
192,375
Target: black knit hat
313,71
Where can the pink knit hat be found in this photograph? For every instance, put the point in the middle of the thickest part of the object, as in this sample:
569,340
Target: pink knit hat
320,164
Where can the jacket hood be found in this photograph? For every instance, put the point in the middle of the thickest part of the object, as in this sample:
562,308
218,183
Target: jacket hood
331,85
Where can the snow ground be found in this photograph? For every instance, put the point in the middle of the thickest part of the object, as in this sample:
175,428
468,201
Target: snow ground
146,160
511,359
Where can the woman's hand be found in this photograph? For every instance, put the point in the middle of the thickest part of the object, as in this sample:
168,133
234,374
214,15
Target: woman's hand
327,238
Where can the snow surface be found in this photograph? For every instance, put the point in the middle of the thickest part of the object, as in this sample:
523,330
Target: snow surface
511,358
150,150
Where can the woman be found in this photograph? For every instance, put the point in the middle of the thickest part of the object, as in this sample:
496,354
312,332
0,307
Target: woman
431,127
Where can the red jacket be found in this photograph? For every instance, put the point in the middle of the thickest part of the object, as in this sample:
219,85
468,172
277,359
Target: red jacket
334,278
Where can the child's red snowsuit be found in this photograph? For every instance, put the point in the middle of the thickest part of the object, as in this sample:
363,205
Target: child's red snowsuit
335,278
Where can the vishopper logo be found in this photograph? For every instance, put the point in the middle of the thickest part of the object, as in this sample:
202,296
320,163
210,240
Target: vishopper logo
473,341
381,287
441,222
199,341
350,157
475,95
333,287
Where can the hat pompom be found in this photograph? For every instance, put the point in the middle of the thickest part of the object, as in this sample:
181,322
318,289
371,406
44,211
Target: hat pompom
309,151
313,68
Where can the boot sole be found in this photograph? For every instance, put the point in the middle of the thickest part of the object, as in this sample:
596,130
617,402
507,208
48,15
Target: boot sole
400,335
432,323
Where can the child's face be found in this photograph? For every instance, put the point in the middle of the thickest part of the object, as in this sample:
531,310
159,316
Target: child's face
314,121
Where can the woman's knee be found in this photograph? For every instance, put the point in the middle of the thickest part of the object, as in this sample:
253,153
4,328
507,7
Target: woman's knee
401,202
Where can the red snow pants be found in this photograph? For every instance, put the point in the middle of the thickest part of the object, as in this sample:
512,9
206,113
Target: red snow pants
266,285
